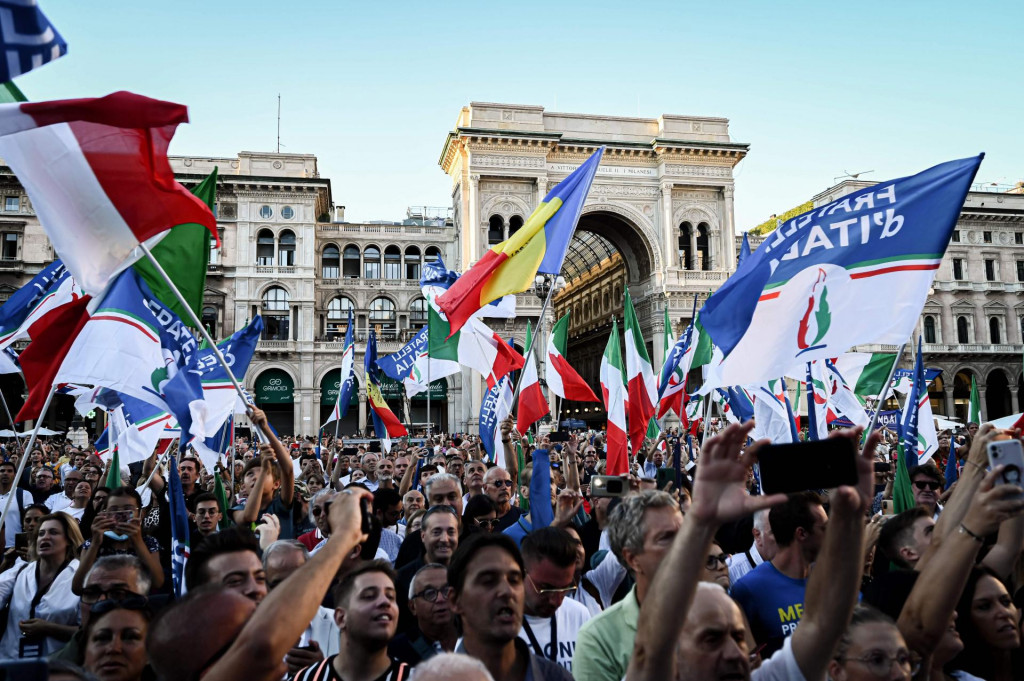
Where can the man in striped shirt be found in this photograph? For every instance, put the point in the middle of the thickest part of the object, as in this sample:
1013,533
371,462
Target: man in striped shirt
366,613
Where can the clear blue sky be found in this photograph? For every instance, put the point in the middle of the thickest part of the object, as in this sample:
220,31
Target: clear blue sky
372,88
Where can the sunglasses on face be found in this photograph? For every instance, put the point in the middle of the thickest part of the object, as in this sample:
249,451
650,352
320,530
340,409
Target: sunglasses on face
489,523
926,484
714,561
502,483
93,594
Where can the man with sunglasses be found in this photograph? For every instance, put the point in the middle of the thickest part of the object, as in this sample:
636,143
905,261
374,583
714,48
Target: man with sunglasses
430,604
112,578
927,483
551,621
498,485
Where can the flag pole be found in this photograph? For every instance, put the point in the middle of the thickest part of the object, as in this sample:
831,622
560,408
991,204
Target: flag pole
202,330
26,453
885,392
14,429
430,421
533,341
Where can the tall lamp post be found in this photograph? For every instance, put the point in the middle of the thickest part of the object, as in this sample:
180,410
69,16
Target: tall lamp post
545,285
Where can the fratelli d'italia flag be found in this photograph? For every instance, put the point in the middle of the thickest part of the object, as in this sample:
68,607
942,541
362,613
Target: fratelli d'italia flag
385,424
613,389
562,378
854,271
538,246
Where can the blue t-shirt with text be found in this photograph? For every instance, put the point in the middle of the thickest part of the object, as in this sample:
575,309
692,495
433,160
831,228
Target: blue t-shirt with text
773,603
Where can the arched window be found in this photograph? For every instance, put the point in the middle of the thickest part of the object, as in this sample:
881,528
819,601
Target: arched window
412,263
392,262
993,331
276,315
331,262
265,248
704,245
514,223
350,263
685,254
495,230
418,313
432,254
210,319
371,262
929,329
286,249
961,330
382,317
337,317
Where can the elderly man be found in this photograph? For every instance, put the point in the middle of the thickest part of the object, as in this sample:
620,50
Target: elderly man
320,639
498,485
440,534
430,604
473,479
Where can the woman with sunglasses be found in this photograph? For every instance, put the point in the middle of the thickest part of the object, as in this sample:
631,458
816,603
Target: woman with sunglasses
43,610
115,640
480,515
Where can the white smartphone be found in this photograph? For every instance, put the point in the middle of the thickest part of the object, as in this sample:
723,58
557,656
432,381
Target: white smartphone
1008,453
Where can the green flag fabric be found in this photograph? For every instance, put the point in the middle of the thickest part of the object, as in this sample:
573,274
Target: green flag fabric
974,407
222,501
902,494
114,474
184,254
9,94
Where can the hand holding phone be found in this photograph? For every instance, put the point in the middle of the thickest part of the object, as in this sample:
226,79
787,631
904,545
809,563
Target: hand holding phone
1010,455
799,466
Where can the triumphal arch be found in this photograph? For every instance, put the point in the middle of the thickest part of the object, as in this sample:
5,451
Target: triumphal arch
659,217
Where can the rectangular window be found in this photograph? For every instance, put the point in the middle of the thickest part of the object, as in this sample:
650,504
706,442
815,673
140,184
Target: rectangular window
10,246
990,270
371,270
1018,238
12,204
1020,270
392,270
956,236
958,269
986,237
275,327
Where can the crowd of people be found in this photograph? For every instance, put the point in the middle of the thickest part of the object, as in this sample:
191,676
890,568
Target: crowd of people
321,561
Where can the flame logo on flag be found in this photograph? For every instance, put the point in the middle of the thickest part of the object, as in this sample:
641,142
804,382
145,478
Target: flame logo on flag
817,317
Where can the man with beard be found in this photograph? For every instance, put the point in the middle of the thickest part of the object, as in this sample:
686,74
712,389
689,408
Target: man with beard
487,578
385,472
551,621
188,471
498,485
693,631
369,466
366,614
430,603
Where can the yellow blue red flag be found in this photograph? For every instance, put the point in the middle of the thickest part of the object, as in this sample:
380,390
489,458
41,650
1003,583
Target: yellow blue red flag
538,246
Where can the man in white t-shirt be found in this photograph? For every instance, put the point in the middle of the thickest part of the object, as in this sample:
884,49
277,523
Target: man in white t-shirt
551,621
21,501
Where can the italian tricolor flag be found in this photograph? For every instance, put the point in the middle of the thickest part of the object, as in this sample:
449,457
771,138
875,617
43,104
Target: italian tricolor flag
532,404
562,378
613,389
642,386
474,346
865,372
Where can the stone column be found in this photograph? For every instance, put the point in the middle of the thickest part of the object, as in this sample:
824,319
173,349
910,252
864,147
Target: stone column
362,409
714,259
947,390
1014,401
728,259
983,399
471,246
542,190
670,245
693,247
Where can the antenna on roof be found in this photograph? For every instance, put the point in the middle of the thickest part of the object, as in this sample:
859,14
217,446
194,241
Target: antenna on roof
852,176
279,122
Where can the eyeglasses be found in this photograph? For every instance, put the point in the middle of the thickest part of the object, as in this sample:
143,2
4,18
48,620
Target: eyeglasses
927,484
714,561
502,483
433,595
550,590
489,523
879,664
93,594
134,602
317,510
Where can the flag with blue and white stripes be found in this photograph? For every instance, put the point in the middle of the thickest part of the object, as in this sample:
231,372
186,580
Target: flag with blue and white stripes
27,38
179,528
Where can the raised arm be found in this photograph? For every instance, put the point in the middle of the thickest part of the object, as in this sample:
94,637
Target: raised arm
284,459
278,623
718,497
253,502
835,579
511,460
966,487
929,608
572,473
410,472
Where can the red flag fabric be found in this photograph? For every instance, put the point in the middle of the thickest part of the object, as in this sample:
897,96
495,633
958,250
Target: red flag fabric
52,337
